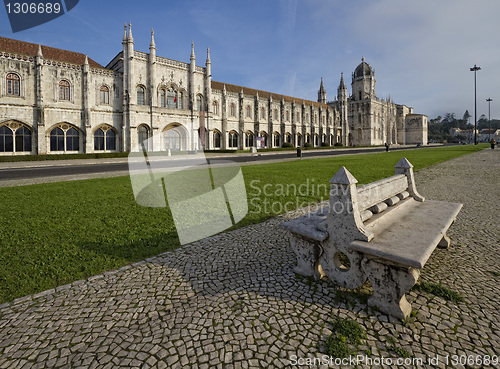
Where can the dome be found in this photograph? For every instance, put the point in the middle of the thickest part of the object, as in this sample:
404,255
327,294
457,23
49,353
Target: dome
363,69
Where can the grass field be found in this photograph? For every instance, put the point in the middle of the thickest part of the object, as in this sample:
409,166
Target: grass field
55,233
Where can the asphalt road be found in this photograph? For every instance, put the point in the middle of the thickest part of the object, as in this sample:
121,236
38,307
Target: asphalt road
7,174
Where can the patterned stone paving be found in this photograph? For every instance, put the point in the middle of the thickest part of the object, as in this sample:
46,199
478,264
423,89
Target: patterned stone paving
233,301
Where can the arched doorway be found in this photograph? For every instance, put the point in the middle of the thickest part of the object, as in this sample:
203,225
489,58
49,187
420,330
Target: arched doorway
175,138
172,140
142,136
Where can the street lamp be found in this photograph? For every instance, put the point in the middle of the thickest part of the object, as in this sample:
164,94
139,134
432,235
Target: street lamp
489,117
475,69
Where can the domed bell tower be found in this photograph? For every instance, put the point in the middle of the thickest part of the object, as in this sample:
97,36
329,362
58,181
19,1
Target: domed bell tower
363,82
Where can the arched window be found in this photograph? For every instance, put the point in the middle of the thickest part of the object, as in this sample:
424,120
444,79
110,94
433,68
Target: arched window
15,138
287,115
172,140
72,140
249,111
316,140
99,139
64,90
199,103
13,84
299,139
180,100
217,139
297,116
276,139
262,113
104,95
307,117
104,139
233,139
143,135
233,110
6,139
57,139
163,98
263,135
64,138
171,98
275,114
308,138
288,138
215,108
23,139
249,139
315,118
141,95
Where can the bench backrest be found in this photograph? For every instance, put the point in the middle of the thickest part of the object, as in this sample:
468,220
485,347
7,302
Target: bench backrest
379,191
351,206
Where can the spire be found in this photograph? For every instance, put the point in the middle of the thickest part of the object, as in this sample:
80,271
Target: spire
39,51
322,93
86,60
342,83
125,32
152,45
208,56
130,37
192,51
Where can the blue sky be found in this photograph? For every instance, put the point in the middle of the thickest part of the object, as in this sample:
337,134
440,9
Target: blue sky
421,50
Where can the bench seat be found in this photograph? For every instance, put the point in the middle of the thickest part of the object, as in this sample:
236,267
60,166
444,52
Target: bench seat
408,233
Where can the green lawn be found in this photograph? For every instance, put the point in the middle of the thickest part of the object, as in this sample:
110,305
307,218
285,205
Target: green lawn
56,233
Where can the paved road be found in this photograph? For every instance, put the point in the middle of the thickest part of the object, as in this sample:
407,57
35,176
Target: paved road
232,301
31,172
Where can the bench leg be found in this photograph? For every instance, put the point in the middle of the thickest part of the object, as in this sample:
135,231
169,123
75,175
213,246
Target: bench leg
307,254
444,243
390,283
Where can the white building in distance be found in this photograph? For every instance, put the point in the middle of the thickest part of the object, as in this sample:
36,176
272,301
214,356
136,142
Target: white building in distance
58,101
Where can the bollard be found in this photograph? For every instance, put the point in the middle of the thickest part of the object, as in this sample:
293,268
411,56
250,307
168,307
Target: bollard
299,152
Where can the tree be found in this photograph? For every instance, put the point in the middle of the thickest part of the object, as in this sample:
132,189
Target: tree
466,117
449,117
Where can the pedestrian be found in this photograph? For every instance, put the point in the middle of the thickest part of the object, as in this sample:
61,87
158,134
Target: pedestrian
492,142
386,146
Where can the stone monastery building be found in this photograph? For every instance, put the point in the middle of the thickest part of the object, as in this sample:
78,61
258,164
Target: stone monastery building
55,101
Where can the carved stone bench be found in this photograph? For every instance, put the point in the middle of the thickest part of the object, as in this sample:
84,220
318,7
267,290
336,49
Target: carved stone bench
383,232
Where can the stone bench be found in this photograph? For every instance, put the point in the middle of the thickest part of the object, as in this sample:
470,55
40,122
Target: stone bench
383,232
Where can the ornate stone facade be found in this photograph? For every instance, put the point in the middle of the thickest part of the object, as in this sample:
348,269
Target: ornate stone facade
54,101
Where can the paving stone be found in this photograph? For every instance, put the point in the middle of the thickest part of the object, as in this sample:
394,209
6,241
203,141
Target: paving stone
232,300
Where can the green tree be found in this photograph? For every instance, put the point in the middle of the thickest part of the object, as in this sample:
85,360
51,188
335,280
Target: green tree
466,117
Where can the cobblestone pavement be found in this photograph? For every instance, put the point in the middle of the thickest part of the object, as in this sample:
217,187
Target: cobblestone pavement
233,301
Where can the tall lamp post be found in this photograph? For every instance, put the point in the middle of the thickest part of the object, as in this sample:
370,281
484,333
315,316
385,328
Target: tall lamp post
475,69
489,117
